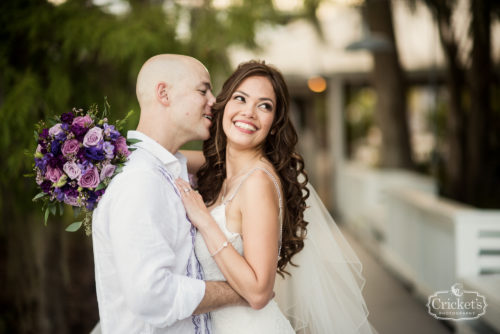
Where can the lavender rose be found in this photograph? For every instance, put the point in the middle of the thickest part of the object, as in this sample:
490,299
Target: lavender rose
107,171
72,170
121,146
90,179
70,147
56,130
83,121
53,174
93,137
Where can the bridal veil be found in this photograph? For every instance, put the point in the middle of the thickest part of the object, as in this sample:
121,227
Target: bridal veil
323,294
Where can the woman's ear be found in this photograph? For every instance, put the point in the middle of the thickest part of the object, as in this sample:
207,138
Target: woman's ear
162,93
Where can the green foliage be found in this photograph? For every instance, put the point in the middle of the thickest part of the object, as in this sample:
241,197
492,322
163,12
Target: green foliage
54,58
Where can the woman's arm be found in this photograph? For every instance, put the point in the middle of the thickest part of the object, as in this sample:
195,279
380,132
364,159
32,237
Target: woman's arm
251,276
195,160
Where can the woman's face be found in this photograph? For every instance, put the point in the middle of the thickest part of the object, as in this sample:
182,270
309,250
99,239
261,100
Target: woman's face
249,113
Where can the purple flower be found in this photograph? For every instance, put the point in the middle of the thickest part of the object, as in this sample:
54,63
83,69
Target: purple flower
72,170
79,131
55,147
107,171
46,186
94,153
71,200
44,134
53,174
81,154
59,194
41,163
83,121
67,117
93,137
55,130
109,149
121,146
70,147
90,179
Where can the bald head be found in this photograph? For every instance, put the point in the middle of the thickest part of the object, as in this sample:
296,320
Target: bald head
167,68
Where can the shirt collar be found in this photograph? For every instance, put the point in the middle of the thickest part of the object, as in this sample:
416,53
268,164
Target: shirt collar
174,163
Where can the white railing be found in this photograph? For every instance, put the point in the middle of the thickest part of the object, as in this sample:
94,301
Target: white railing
428,241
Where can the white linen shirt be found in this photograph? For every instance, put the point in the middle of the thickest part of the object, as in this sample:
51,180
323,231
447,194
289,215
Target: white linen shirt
142,243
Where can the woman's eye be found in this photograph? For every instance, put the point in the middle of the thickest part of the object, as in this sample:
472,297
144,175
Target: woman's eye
203,92
266,106
239,98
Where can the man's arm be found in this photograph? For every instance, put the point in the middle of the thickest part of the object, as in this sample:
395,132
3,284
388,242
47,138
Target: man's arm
217,295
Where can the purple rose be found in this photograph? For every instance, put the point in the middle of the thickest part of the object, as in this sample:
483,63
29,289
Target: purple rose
108,149
55,130
70,147
83,121
90,179
107,171
121,146
67,117
93,137
53,174
72,170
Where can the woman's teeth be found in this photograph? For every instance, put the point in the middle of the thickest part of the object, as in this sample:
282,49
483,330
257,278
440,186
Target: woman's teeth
208,117
245,126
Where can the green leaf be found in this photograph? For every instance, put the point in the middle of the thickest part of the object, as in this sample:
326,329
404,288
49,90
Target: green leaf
76,211
53,209
100,186
74,227
133,141
47,211
39,195
132,149
29,175
61,209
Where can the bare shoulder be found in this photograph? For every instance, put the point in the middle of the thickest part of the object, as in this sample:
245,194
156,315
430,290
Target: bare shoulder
261,187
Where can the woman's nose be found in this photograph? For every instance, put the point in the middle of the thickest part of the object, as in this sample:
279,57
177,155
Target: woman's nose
248,110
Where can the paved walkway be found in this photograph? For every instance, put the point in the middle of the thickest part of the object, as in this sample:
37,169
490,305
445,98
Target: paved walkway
393,310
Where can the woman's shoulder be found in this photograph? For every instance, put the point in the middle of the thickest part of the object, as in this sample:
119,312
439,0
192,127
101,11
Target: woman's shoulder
263,183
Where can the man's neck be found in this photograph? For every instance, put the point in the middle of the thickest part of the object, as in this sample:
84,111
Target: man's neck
165,137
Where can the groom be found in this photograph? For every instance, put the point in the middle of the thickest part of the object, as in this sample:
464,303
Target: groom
148,279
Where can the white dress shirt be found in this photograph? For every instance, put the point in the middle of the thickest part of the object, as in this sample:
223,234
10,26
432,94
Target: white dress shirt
142,245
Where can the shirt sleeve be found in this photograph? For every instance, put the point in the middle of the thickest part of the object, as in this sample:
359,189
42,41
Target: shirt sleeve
143,226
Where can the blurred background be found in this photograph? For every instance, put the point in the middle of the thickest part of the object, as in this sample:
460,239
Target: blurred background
397,106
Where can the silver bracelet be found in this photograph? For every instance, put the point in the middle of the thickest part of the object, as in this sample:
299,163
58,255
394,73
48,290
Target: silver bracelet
224,245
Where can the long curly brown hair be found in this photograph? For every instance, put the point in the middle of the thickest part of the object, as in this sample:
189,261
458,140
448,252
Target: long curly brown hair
279,149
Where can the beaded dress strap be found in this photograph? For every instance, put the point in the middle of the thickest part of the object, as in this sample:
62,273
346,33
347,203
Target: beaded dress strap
280,200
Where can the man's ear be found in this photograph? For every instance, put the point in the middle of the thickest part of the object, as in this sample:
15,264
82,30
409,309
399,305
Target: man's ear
162,93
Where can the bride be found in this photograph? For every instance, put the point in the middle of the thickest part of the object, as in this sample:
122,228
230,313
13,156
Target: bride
249,213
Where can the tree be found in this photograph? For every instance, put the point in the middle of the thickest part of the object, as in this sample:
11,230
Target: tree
53,58
390,85
470,171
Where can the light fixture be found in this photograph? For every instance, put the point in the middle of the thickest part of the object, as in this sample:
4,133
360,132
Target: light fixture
317,84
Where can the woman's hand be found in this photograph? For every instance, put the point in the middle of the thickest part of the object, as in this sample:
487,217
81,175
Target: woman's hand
193,203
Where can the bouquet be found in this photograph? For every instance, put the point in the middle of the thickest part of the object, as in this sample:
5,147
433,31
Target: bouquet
78,154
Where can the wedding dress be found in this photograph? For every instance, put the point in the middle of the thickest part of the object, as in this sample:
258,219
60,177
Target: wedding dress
322,295
239,319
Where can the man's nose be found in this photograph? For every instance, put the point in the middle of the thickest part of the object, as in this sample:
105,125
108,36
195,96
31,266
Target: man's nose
211,98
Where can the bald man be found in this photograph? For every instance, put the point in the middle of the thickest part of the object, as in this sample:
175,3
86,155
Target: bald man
147,276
